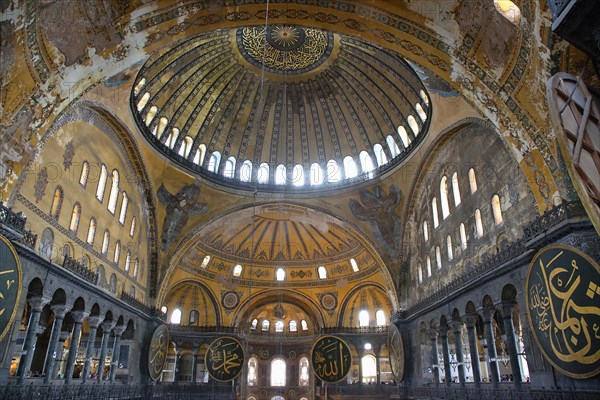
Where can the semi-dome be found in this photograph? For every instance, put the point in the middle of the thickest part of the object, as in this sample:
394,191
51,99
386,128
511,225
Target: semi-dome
282,105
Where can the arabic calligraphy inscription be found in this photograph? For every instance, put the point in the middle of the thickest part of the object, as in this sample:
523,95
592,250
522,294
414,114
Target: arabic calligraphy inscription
224,359
331,359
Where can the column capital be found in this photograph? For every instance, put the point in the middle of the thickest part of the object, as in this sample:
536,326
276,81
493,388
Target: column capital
38,302
487,314
432,333
506,308
470,320
107,326
443,329
60,310
119,329
456,324
94,321
78,316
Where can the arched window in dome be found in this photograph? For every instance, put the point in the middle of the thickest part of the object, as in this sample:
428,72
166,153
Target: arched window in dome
354,265
172,138
424,97
252,371
449,247
421,112
263,173
101,183
404,136
136,267
132,227
369,368
186,146
117,254
75,215
298,175
213,162
420,273
434,210
392,145
322,272
280,174
254,324
176,316
380,156
425,231
143,101
91,231
138,87
280,275
194,317
127,261
478,223
316,174
229,170
150,115
200,153
123,212
246,171
463,236
265,325
237,270
497,209
366,163
508,10
293,326
363,318
438,257
350,169
472,180
333,172
46,243
304,325
205,262
278,372
455,189
428,266
105,242
85,172
304,377
160,127
113,283
444,197
279,326
114,192
380,318
414,127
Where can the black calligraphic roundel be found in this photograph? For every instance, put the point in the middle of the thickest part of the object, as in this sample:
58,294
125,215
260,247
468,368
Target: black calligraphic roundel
157,354
10,284
224,359
331,359
396,351
563,308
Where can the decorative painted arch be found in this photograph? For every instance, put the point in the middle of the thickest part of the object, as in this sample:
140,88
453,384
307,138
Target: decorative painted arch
345,303
212,299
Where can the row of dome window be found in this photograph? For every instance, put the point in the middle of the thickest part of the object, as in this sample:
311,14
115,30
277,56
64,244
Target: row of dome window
280,276
265,325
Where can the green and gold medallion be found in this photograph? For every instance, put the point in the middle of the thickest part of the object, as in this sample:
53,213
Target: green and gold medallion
10,284
396,351
331,359
224,359
157,355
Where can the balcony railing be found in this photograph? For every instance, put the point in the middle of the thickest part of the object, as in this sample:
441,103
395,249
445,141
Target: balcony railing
16,222
75,266
143,307
487,392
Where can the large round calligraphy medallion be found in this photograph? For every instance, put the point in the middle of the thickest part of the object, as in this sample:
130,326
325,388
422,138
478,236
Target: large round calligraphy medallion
10,284
157,355
396,351
563,304
331,359
224,359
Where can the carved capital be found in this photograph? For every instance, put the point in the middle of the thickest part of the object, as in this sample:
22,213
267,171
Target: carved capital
443,329
37,303
94,321
432,333
470,321
107,327
59,310
456,325
506,309
78,316
119,329
487,314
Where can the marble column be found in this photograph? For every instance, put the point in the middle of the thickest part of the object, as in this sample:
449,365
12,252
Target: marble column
456,325
194,365
106,328
36,304
114,364
78,317
433,335
509,328
446,352
377,361
488,316
93,322
471,321
361,353
59,315
175,364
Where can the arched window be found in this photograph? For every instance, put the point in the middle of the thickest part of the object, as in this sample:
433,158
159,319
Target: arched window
412,122
316,174
392,145
213,161
366,164
57,203
127,261
252,371
101,183
200,153
455,189
333,172
403,136
246,171
363,318
132,228
132,291
136,267
205,262
263,173
280,174
322,272
163,309
463,237
113,283
117,254
85,172
428,266
304,377
194,317
114,192
425,231
160,128
278,372
265,325
280,274
75,215
254,323
279,326
101,276
123,212
369,369
508,10
438,257
229,170
298,175
354,265
139,86
435,212
91,231
472,180
143,101
380,156
293,326
304,325
497,209
176,316
46,243
350,170
478,223
424,97
237,270
150,115
421,112
444,197
172,138
449,246
105,242
186,145
420,274
380,318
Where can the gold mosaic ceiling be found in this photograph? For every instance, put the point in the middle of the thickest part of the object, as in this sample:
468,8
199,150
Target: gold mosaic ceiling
282,95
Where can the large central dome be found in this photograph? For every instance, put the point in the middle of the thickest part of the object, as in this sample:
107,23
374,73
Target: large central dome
281,105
